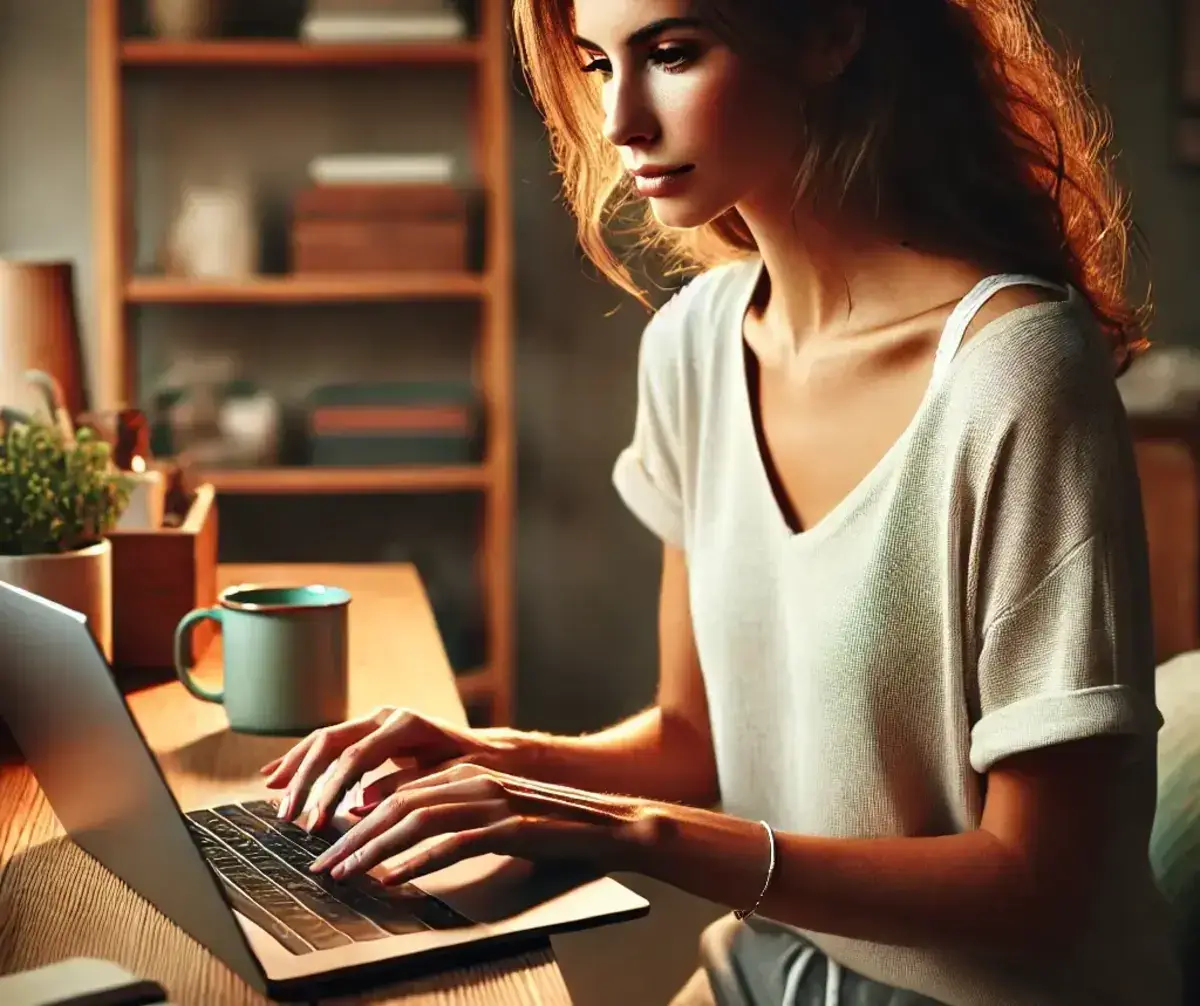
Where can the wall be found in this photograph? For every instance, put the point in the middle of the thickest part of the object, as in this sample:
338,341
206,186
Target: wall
586,573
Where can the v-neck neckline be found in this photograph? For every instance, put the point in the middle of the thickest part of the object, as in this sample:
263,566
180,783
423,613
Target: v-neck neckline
767,473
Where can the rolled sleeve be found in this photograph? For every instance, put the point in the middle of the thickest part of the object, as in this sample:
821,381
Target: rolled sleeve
1062,664
648,472
657,508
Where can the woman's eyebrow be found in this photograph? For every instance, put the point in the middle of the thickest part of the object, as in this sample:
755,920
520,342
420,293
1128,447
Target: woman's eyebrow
646,32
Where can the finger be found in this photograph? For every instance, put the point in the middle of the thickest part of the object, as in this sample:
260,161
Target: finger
325,746
536,839
497,837
360,757
453,773
271,766
285,766
380,789
533,798
419,825
392,810
380,818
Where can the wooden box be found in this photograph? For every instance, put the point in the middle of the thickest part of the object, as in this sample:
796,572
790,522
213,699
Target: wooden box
379,228
158,577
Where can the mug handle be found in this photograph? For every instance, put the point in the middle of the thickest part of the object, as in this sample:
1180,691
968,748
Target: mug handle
183,639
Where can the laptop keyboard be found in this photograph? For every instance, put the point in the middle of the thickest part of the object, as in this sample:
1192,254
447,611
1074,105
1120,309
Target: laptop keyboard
263,865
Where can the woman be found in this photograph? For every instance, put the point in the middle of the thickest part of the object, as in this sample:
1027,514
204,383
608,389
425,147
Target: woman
905,638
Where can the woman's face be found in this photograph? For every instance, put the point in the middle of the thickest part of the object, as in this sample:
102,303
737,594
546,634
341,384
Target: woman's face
699,127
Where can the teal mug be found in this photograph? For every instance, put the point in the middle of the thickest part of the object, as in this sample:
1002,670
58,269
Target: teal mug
284,654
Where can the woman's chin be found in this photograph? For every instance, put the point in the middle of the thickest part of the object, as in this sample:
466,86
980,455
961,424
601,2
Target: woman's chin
681,213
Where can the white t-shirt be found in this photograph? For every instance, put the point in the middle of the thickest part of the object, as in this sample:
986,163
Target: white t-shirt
983,591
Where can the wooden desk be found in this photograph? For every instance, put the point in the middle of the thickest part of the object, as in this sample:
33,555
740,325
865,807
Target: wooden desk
57,902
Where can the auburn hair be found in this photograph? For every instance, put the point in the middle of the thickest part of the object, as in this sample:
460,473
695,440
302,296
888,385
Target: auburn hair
955,125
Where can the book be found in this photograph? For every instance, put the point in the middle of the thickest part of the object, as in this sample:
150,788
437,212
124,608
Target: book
357,8
334,169
344,28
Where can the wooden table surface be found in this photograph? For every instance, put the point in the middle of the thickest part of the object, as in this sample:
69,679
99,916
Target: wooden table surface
57,902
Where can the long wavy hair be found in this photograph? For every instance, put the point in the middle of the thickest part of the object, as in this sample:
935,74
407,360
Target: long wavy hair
955,124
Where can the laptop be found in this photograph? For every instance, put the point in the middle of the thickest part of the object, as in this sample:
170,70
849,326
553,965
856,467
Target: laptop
231,874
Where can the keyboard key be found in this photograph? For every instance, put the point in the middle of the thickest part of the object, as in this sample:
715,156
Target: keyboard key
321,903
399,906
264,919
255,886
397,919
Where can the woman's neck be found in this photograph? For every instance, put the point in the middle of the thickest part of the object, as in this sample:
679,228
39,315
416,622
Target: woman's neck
828,279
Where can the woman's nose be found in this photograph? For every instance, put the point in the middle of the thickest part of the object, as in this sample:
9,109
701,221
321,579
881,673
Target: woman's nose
628,119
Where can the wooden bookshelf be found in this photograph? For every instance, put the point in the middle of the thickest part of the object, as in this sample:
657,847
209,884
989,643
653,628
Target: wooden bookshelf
306,289
303,479
112,59
283,53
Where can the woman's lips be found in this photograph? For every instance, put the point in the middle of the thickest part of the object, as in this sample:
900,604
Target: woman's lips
656,183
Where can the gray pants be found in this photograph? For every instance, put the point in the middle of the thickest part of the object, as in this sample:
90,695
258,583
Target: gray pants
756,963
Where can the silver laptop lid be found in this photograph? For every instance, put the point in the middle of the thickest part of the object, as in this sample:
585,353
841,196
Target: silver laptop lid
69,718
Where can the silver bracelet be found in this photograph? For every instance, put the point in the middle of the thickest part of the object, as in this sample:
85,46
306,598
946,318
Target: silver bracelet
740,913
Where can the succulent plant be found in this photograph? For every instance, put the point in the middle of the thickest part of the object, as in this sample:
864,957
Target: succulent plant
57,494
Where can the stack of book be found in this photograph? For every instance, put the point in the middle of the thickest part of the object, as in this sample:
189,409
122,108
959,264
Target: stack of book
394,423
346,21
380,213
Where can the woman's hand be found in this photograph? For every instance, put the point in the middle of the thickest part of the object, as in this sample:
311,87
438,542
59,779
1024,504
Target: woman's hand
418,743
481,810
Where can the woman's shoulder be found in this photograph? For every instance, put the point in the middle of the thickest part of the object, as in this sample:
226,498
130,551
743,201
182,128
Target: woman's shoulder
1044,355
1033,398
699,316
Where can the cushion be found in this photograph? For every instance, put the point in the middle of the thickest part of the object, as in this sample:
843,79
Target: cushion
1175,840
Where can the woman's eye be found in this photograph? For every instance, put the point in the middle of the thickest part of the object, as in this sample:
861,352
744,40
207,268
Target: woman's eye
598,65
673,58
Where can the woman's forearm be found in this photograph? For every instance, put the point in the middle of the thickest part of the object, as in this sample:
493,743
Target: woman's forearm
653,755
962,891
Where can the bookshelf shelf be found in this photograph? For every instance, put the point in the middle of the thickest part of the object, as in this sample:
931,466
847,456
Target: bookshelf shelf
312,479
306,289
283,53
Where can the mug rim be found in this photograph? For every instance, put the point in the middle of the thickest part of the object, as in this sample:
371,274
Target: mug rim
225,599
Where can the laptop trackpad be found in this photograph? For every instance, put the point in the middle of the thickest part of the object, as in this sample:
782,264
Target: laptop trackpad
494,888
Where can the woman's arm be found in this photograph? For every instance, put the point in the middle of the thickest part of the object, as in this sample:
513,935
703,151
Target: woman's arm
662,753
1019,883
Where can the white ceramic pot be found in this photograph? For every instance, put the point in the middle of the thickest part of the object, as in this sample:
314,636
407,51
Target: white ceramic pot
81,580
183,19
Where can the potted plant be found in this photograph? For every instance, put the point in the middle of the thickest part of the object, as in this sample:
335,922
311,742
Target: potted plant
60,495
